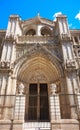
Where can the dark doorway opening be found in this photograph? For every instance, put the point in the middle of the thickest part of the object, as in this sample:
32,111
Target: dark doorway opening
38,104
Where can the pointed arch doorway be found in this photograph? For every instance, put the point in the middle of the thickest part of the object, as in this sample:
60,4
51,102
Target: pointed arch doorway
37,100
36,74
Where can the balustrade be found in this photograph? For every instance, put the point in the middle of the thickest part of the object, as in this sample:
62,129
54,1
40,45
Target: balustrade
35,39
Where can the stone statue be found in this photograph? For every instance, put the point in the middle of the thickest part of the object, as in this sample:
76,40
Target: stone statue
21,89
76,90
53,88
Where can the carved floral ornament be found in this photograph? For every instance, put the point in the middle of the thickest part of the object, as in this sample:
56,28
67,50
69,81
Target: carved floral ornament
4,64
65,37
70,63
38,77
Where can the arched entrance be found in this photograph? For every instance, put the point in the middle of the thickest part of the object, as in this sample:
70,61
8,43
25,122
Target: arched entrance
38,69
37,74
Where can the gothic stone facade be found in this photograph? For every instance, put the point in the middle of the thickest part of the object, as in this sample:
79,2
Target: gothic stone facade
39,75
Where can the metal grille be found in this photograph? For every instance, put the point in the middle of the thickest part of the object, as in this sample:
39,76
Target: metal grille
8,102
38,106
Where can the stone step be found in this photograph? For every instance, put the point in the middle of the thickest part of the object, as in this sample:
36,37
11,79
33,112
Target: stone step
37,126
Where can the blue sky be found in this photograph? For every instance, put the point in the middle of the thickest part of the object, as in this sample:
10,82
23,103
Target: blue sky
47,9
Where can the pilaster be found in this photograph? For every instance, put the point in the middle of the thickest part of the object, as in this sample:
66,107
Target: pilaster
19,104
72,85
8,50
65,38
54,103
14,27
62,24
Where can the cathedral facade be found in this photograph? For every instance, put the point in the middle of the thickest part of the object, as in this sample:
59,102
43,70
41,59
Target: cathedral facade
39,75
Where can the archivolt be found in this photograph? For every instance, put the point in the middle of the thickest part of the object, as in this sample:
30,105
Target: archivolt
41,61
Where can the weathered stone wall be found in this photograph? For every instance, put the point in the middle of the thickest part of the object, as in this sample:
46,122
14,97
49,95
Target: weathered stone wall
65,124
11,125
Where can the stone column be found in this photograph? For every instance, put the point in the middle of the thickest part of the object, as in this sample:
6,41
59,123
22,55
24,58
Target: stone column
8,92
1,77
54,103
13,28
62,24
8,98
70,87
65,37
13,56
20,104
4,52
9,52
13,88
77,95
4,80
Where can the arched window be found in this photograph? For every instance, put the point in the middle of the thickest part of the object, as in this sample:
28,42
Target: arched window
31,32
45,31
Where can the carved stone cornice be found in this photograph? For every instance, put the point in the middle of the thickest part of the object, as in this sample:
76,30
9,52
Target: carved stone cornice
70,66
6,66
14,17
38,20
70,63
65,37
6,70
9,39
34,39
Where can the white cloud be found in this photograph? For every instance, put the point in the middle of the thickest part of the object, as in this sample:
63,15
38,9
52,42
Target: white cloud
56,14
78,16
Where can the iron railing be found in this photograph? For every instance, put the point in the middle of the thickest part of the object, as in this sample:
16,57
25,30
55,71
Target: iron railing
66,103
